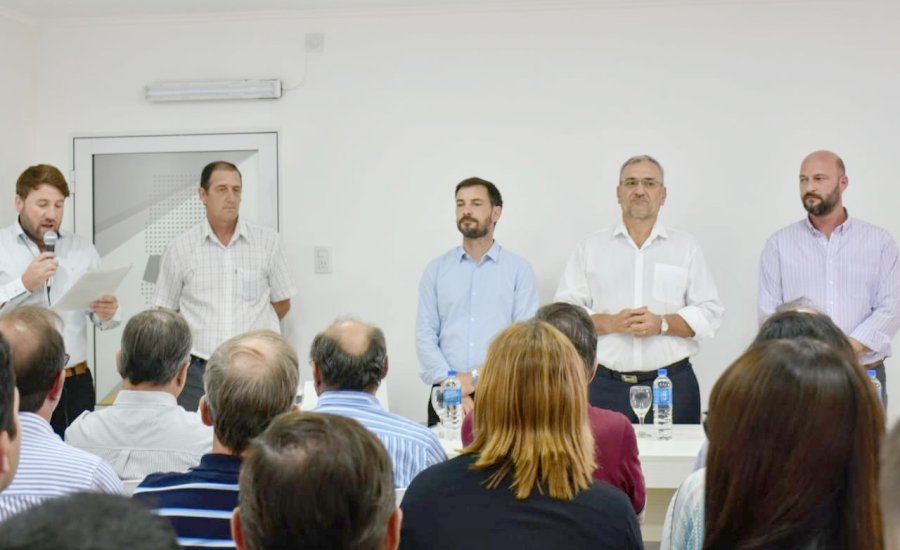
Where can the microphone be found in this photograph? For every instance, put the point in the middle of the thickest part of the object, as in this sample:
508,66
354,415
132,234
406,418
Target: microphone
50,238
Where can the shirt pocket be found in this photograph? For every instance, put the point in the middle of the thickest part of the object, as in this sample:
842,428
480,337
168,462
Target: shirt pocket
250,284
669,284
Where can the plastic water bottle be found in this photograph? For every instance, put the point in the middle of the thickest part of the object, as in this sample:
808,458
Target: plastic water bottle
453,407
663,403
874,378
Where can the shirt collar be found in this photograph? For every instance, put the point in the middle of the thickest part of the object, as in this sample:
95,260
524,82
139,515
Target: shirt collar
145,397
215,461
493,253
847,225
35,423
359,398
659,230
239,231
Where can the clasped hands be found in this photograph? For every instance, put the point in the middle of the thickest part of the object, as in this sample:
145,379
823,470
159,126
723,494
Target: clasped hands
639,322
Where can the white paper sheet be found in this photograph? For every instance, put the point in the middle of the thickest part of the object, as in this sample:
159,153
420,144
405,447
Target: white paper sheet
91,286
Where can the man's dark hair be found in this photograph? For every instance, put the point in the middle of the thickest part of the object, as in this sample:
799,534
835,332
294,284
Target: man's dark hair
41,174
155,345
318,478
38,352
87,521
7,390
345,371
576,325
208,170
493,192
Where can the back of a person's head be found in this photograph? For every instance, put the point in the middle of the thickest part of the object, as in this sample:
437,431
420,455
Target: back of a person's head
87,521
316,481
38,350
803,322
9,429
249,380
889,487
532,405
350,355
794,431
156,344
576,325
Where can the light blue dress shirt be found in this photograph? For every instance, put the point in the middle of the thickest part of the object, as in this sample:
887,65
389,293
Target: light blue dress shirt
463,305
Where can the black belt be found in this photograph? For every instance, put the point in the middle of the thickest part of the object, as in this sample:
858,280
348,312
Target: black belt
637,377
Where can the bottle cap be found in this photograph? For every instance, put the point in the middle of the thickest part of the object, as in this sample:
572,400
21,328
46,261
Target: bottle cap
451,373
871,372
662,372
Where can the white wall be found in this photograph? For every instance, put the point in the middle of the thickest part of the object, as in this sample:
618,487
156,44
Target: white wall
18,42
546,103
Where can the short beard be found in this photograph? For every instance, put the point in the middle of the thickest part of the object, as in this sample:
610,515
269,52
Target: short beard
824,206
473,232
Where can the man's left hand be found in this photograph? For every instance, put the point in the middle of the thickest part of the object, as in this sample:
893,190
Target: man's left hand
643,323
105,307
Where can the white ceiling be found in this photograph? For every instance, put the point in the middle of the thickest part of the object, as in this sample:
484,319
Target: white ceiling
66,9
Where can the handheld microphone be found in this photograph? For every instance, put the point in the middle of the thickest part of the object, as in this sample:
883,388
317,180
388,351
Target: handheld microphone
50,238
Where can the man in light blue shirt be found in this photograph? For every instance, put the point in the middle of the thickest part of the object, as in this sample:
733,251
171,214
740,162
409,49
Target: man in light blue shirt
349,361
470,294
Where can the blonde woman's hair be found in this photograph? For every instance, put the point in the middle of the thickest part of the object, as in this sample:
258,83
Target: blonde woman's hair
532,417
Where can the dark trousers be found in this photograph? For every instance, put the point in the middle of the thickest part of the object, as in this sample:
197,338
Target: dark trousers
193,388
607,390
78,395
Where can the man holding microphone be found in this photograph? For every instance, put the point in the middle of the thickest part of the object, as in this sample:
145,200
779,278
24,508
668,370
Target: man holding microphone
38,264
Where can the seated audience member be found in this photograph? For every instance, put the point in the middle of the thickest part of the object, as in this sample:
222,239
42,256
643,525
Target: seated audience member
317,482
794,431
145,430
47,467
615,443
10,442
889,488
525,481
87,521
249,380
349,361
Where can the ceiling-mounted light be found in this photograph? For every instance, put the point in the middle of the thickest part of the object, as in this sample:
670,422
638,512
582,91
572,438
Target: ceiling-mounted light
213,91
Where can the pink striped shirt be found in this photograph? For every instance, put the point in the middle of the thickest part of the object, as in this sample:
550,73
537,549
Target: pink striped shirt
853,277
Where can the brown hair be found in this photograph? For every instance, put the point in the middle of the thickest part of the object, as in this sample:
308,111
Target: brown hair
38,352
794,432
40,174
532,413
249,380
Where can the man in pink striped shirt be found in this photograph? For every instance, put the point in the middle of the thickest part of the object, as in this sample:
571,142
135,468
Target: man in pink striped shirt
840,265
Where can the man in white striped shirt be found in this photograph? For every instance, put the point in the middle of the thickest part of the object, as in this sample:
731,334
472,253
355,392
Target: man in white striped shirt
48,467
10,430
349,361
842,266
226,276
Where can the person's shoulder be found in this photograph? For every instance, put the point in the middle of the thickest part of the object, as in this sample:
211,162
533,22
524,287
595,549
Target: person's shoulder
872,229
606,497
164,481
81,429
607,419
439,475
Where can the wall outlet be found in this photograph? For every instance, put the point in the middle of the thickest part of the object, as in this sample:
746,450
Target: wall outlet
322,259
315,42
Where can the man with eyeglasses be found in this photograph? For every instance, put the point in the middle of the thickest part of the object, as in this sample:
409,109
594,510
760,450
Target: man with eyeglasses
649,293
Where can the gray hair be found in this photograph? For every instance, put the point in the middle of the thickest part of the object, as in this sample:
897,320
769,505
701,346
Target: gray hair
642,158
156,344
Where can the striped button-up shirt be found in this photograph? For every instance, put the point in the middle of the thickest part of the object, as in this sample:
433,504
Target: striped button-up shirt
412,447
49,468
853,277
224,290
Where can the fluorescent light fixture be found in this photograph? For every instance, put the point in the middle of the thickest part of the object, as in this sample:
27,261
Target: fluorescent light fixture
213,91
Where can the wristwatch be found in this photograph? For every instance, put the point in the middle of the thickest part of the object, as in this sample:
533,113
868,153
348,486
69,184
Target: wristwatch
663,325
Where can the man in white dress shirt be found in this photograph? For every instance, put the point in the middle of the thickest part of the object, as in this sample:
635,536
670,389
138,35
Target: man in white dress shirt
145,431
32,274
224,275
650,295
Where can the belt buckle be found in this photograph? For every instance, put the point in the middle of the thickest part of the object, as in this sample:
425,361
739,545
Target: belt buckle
629,378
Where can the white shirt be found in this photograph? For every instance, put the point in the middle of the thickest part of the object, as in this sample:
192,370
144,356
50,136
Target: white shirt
76,257
48,468
224,290
142,433
668,274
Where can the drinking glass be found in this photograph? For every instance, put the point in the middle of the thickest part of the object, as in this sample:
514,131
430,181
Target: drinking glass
641,398
437,401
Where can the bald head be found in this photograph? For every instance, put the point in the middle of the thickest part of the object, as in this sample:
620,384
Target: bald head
38,352
250,379
824,157
350,355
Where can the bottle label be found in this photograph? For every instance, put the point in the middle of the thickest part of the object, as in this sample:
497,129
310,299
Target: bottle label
452,396
662,396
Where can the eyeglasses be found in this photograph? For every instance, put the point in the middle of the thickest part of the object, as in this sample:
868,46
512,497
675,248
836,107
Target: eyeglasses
65,359
648,183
